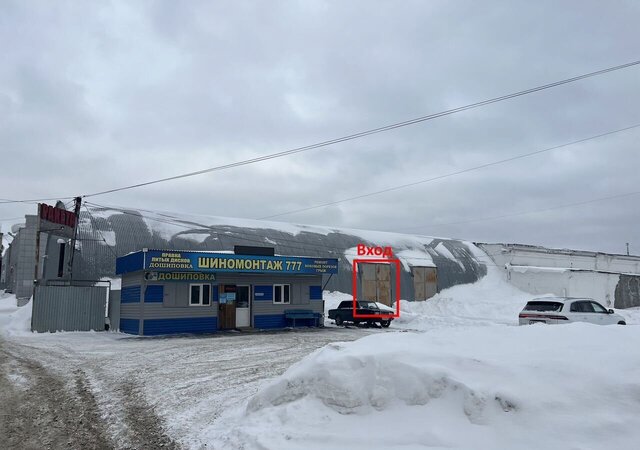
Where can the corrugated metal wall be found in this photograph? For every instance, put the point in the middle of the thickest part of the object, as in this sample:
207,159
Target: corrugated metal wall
69,308
114,310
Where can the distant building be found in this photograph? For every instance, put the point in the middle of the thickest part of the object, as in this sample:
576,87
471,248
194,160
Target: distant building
427,265
612,279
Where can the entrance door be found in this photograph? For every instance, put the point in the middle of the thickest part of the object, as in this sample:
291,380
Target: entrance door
227,307
376,282
243,306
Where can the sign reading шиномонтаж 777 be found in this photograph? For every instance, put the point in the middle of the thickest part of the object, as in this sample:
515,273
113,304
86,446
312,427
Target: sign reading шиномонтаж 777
212,262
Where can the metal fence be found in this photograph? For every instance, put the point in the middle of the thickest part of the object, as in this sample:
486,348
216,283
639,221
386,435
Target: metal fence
69,308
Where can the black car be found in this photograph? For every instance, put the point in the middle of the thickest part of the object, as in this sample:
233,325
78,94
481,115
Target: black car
344,313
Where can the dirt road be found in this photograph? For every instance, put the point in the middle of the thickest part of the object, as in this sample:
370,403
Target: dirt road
109,391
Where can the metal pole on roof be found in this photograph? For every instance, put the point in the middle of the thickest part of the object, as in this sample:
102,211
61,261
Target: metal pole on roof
76,212
627,249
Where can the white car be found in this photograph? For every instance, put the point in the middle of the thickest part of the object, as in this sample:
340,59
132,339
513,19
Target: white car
554,310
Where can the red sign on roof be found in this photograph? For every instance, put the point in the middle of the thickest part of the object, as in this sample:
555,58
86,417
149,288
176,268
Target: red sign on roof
57,215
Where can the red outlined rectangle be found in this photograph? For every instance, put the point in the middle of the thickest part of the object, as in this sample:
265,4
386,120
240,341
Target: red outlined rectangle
355,288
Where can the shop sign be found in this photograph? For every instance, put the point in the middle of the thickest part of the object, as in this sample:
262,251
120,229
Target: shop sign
179,276
156,260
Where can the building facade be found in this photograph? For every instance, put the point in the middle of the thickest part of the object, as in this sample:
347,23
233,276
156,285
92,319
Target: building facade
169,291
613,280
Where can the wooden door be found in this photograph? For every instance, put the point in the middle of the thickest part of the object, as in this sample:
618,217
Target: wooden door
227,307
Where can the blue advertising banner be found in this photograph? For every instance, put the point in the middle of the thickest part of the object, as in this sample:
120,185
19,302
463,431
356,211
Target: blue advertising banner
174,261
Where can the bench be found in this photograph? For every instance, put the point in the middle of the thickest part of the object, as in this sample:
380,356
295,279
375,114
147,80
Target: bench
307,314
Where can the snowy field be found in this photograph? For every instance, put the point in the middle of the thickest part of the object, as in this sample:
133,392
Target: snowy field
452,372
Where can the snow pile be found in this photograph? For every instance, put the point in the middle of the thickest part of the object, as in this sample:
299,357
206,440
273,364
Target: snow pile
494,387
14,320
333,298
491,299
631,315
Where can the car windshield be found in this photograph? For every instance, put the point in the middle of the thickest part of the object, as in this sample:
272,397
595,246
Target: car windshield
370,305
543,306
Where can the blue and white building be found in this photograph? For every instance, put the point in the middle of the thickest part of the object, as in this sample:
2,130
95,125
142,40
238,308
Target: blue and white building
171,291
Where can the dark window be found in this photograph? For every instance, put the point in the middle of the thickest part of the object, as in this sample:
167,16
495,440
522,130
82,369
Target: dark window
195,294
543,306
200,295
206,294
242,297
582,306
281,293
345,304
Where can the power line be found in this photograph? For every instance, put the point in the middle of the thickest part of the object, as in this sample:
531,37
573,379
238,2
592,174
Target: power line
93,221
371,131
503,216
12,218
440,177
33,200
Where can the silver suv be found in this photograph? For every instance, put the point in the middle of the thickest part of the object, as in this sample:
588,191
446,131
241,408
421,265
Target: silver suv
554,310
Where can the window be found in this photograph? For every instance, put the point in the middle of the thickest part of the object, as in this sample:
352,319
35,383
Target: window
199,294
281,293
597,307
582,306
544,306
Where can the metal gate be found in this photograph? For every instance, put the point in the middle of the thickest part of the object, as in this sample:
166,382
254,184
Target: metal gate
425,282
69,308
376,282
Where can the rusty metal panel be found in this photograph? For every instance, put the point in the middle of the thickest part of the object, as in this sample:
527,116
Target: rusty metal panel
368,271
384,292
376,282
419,274
383,272
425,282
369,290
431,282
420,292
69,308
431,275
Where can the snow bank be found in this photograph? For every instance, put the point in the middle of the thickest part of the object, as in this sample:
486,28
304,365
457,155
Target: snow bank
495,387
14,320
490,299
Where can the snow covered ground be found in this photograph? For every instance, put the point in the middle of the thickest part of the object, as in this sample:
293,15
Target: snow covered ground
452,372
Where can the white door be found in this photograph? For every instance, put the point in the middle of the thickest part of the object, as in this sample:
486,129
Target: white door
580,311
604,318
243,306
589,314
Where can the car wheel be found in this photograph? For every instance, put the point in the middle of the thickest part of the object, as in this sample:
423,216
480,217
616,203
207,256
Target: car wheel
385,323
338,320
622,322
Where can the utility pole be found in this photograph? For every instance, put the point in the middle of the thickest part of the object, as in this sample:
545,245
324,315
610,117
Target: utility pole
76,212
37,268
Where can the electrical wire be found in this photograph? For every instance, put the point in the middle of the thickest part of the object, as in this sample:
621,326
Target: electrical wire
33,200
371,131
535,211
451,174
93,222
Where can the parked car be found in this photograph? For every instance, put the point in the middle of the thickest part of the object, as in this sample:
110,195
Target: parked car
554,310
344,313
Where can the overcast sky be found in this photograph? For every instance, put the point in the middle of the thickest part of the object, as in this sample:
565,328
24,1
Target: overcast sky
97,95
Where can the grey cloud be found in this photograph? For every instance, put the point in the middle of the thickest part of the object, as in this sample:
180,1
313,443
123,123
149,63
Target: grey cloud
96,97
